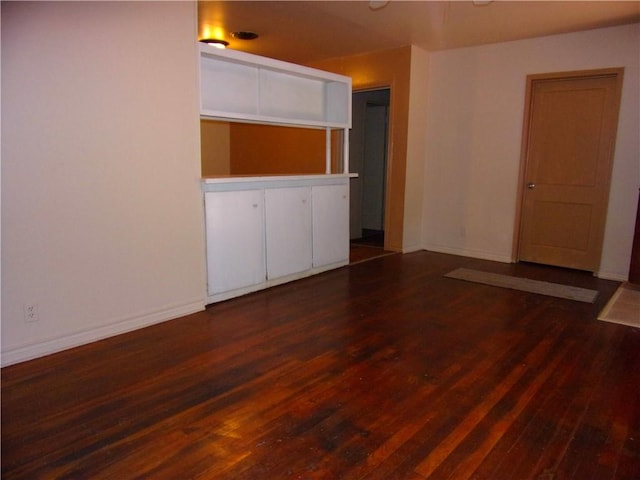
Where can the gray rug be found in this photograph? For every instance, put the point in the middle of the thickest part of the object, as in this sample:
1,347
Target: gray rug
525,285
623,307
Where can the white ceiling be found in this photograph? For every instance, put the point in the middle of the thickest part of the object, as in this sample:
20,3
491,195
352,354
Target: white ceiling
307,31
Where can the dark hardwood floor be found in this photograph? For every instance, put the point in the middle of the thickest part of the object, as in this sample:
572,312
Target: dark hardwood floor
362,253
381,370
369,245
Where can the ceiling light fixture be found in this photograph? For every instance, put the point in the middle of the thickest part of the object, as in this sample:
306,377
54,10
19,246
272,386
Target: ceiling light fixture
244,35
378,4
215,42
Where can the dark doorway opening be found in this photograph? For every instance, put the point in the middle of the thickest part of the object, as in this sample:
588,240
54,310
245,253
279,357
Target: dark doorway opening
368,147
368,142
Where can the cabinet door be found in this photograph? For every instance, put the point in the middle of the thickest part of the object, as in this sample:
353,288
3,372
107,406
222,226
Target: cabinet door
235,240
288,227
330,224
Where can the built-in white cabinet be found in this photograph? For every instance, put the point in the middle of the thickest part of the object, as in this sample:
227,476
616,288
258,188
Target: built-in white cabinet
263,231
236,251
288,230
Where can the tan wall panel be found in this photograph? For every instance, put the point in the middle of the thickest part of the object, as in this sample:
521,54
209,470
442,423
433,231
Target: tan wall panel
389,68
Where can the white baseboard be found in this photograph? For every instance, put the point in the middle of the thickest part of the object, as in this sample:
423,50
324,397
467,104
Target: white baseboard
506,259
464,252
612,276
411,248
23,353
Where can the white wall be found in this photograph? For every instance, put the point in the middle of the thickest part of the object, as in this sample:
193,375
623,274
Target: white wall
416,145
101,204
475,113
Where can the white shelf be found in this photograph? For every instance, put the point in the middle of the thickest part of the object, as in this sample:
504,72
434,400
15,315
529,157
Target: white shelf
238,86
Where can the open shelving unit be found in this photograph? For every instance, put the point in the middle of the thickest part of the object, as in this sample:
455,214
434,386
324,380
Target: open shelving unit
241,87
266,230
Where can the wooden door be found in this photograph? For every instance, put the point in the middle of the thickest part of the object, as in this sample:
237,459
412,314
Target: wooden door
568,151
634,268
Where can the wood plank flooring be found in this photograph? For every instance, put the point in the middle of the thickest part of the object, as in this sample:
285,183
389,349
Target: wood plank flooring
362,253
381,370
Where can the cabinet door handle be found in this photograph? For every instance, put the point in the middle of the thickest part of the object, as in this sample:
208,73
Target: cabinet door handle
531,186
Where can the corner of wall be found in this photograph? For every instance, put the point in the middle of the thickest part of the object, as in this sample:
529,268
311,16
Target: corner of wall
416,148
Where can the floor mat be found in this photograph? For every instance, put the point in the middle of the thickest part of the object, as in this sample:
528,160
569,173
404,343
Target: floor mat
623,307
525,284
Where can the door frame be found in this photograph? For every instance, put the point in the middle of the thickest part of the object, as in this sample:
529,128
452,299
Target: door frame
617,73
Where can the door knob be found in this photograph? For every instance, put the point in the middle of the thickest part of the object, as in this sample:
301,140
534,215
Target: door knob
531,186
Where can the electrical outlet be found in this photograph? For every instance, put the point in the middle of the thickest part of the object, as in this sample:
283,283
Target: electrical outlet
31,312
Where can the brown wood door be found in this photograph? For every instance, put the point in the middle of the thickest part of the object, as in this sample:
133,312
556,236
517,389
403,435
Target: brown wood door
634,268
568,153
